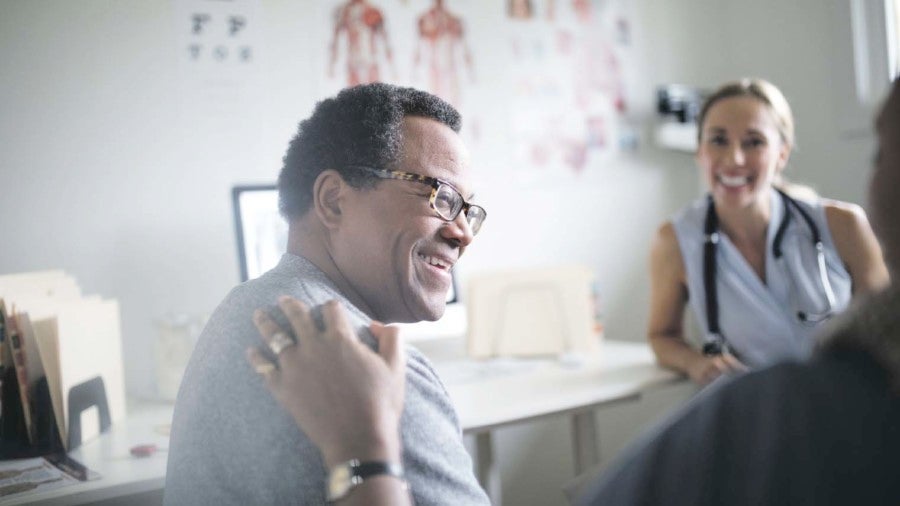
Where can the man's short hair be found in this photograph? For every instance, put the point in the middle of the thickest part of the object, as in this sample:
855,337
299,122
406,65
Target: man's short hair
360,126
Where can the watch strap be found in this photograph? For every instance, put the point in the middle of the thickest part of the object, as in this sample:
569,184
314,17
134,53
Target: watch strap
344,476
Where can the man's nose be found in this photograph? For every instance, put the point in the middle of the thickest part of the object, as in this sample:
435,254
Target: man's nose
458,231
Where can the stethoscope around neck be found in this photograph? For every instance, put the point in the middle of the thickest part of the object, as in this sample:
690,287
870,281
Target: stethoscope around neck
716,344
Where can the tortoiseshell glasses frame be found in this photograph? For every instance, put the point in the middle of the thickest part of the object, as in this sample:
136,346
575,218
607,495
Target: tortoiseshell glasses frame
445,199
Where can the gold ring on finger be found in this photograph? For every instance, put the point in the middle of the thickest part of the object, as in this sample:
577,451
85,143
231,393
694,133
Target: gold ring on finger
265,369
279,342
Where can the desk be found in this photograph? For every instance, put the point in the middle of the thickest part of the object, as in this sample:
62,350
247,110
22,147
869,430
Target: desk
487,395
528,390
122,476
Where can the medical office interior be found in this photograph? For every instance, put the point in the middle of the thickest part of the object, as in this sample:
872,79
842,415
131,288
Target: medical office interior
127,124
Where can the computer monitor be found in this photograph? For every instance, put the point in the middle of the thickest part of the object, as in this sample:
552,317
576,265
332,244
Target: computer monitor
261,231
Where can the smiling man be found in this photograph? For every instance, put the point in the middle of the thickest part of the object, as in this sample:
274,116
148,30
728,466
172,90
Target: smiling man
376,191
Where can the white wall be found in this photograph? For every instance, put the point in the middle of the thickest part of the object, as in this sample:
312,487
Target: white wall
805,49
108,173
119,176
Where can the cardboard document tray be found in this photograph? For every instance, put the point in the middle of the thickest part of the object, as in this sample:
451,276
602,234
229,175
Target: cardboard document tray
531,312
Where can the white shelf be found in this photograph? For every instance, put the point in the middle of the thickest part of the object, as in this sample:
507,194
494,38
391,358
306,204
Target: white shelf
677,136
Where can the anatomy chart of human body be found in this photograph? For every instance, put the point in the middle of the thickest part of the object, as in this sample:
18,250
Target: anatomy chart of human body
442,51
361,40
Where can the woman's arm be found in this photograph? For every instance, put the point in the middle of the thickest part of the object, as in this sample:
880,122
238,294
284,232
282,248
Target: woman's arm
857,246
345,397
668,298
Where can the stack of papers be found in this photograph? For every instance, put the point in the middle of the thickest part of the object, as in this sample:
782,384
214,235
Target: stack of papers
19,477
52,331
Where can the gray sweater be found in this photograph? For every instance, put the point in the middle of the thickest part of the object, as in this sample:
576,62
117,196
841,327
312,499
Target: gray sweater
231,442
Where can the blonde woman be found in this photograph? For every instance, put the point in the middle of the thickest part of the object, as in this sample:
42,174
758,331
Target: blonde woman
760,265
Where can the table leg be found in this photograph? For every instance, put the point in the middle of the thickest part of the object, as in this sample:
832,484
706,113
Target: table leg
585,447
487,471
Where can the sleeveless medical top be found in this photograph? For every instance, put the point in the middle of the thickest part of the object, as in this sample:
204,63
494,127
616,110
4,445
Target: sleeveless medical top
759,320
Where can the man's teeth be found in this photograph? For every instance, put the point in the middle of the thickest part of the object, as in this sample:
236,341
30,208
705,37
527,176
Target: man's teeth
435,262
733,180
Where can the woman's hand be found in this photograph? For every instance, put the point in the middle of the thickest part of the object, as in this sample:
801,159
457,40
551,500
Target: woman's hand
345,397
704,369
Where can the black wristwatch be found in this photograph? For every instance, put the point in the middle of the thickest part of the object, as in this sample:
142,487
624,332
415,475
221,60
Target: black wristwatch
343,477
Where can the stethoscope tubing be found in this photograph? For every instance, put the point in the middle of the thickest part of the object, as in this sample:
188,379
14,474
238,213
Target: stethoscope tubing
716,343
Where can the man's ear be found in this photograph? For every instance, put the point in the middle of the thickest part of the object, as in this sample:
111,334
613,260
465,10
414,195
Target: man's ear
329,194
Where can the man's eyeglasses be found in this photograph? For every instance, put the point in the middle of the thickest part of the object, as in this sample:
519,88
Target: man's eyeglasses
445,199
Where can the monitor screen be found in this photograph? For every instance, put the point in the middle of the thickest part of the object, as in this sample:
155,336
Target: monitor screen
262,232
